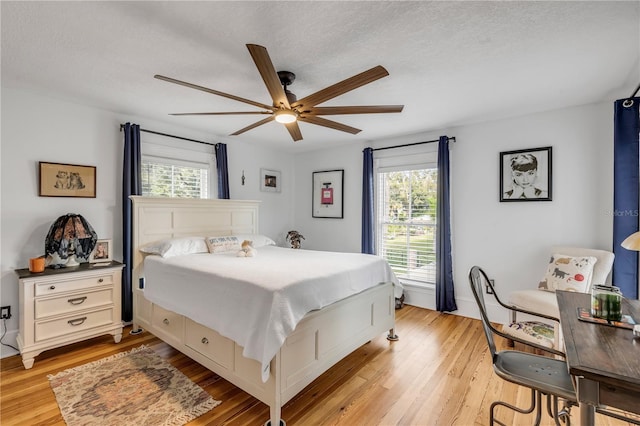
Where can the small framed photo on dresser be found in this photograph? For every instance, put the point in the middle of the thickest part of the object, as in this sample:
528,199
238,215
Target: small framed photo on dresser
102,253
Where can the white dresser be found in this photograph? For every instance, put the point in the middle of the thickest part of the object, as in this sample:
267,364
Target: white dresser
67,305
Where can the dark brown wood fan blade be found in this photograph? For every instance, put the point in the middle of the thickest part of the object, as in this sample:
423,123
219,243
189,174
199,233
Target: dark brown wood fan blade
340,88
223,113
253,126
328,123
269,75
294,131
369,109
213,92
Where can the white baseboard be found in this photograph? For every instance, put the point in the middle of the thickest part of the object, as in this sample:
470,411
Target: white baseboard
425,297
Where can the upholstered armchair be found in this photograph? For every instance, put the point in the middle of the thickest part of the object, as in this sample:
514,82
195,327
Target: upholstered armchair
543,299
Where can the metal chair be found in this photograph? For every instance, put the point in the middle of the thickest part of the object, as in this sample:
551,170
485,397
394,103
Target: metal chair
543,375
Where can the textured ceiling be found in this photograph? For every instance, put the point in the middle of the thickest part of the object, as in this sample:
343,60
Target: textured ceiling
450,63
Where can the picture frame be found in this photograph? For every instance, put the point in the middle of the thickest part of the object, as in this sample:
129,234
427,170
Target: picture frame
328,194
66,180
102,252
270,180
526,175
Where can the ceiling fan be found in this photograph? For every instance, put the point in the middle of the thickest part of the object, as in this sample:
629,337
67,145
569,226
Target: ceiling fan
286,108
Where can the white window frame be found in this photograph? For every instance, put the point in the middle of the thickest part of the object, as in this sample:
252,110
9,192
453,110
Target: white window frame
416,158
190,155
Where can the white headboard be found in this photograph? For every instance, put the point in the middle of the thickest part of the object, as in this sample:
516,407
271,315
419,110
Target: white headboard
158,218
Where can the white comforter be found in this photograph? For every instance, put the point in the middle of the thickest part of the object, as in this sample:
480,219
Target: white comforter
258,301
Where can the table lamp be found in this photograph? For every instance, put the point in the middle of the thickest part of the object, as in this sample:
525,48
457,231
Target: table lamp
632,242
70,239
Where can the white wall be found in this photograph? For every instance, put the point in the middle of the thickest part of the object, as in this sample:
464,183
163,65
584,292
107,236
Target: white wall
510,240
39,128
329,233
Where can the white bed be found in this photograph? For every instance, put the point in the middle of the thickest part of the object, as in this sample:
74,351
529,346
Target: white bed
307,332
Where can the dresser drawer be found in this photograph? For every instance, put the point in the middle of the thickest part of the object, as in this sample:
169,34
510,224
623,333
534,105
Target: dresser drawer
71,324
169,322
55,287
209,343
73,303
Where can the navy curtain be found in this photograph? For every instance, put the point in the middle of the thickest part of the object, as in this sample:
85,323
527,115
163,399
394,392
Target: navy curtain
367,203
626,187
445,296
131,185
223,170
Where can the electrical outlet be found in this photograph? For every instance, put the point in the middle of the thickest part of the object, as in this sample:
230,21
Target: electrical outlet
5,312
488,289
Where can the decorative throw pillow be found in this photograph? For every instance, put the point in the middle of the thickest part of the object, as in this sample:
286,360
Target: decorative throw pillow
258,240
223,244
568,273
176,246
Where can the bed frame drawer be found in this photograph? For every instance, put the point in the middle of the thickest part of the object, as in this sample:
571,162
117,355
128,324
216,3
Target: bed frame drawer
170,324
209,343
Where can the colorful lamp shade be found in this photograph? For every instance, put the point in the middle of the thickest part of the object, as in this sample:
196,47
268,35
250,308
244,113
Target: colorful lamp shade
70,239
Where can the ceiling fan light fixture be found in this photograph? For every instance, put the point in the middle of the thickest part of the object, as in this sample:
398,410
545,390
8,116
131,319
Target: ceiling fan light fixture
285,116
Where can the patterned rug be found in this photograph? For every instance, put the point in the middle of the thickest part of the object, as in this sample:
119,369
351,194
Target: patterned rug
130,388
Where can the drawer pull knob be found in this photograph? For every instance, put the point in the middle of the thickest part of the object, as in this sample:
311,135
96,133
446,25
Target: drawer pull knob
166,321
77,300
100,280
53,287
205,341
77,321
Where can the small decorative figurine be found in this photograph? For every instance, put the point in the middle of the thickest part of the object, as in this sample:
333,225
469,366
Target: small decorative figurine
294,238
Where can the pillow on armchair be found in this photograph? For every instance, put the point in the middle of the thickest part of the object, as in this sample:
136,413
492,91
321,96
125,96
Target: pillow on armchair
572,273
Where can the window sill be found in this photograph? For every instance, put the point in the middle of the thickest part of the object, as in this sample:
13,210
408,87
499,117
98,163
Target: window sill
417,284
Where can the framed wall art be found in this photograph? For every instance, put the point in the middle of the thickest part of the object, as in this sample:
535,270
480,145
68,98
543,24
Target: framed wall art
66,180
102,252
525,175
270,180
328,195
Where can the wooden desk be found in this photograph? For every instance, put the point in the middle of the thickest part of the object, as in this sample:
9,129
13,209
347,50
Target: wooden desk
604,360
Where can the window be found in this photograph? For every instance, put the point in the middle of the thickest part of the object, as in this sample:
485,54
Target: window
178,171
406,220
163,179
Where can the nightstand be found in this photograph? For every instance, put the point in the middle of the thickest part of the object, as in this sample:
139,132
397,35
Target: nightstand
67,305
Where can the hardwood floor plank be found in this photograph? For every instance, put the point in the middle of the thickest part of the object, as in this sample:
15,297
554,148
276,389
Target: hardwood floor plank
439,372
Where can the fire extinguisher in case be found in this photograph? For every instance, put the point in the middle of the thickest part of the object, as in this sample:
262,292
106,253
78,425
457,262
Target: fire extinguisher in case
327,194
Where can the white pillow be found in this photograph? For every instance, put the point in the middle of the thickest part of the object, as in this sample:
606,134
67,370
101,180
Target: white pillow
257,239
223,244
568,273
176,246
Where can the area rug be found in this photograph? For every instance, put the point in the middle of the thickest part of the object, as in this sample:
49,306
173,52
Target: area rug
130,388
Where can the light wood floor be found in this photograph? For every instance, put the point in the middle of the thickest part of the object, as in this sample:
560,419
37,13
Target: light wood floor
438,373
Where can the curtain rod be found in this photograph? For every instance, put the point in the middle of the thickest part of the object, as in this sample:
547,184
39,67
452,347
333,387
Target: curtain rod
453,139
172,136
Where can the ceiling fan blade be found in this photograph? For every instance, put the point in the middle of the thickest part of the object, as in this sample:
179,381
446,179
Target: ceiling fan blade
223,113
214,92
294,131
342,87
370,109
328,123
253,126
269,75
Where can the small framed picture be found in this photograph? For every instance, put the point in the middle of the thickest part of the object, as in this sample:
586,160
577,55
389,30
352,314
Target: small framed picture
525,175
270,180
102,252
327,194
66,180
